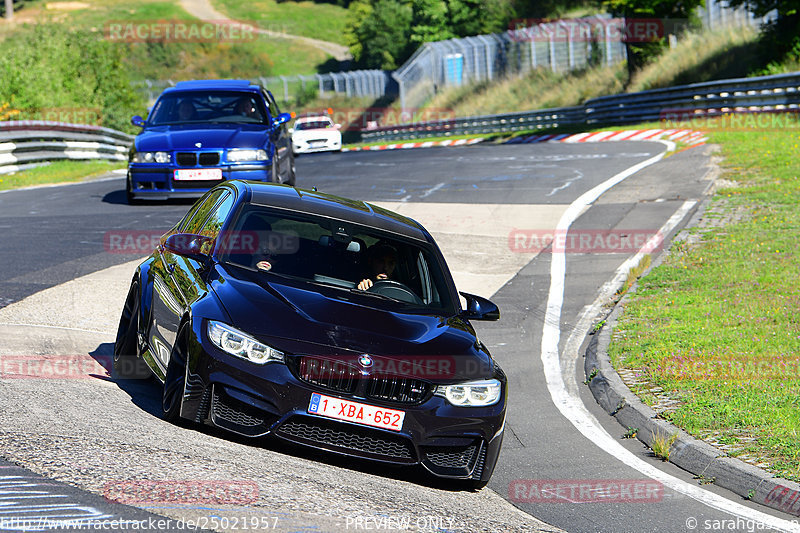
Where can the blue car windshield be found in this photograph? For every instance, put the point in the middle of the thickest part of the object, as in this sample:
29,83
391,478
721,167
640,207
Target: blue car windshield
192,107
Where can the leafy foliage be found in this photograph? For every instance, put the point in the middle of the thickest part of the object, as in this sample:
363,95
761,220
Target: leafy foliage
378,33
50,67
384,33
640,53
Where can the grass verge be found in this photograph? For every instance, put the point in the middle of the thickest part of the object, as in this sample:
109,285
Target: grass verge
325,21
716,326
58,172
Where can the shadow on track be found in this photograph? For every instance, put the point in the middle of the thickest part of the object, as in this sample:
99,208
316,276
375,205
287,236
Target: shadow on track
145,393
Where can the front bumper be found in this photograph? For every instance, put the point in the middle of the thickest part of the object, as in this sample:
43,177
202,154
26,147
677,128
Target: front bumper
258,400
302,146
154,182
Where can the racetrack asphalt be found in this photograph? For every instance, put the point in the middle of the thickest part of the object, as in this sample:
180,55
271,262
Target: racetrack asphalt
91,431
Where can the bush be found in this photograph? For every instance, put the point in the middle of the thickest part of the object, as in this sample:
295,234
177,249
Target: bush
50,70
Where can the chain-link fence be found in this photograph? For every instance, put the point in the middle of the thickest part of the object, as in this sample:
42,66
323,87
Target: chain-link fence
716,14
558,46
294,89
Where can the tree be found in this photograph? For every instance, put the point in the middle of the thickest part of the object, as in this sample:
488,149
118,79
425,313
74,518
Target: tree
782,36
384,33
639,53
379,33
430,21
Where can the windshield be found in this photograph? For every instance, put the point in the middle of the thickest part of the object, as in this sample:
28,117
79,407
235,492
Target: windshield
315,125
215,107
387,270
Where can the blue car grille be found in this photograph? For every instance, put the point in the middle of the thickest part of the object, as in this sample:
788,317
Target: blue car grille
191,159
186,159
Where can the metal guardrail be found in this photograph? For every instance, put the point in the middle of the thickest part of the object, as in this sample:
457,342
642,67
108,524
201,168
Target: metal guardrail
778,93
30,143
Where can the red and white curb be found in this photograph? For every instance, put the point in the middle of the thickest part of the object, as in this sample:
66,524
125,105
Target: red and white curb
691,137
405,146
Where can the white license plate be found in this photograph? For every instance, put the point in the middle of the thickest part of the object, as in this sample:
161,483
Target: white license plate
198,174
316,144
359,413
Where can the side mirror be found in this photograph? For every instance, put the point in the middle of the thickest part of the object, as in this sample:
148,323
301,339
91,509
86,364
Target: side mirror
283,118
197,247
337,126
136,120
291,131
479,308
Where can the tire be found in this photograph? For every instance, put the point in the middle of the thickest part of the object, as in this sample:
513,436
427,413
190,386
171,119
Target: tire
292,178
175,379
129,193
126,362
274,176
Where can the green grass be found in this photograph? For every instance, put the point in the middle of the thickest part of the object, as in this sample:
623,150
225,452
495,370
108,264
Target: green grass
260,56
58,172
537,89
703,56
310,19
717,325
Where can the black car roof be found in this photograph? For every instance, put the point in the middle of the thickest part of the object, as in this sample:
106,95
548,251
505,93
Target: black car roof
328,205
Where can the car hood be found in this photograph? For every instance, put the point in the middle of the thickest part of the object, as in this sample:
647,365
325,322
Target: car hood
301,321
186,137
321,133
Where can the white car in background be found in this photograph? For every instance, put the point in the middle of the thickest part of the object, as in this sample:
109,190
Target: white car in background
316,134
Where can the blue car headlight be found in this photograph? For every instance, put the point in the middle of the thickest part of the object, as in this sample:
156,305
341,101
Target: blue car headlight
472,393
151,157
240,344
239,155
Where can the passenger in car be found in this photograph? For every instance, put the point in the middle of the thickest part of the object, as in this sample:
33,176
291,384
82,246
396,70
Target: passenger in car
382,260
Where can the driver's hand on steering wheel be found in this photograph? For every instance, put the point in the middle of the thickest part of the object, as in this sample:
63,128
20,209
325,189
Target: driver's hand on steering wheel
365,284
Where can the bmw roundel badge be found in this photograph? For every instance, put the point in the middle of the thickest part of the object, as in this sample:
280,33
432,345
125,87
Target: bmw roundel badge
365,361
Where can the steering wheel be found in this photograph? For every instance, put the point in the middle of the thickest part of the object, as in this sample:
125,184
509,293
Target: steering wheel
396,290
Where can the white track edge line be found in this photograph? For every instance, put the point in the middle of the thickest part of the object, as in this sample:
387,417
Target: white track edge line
573,409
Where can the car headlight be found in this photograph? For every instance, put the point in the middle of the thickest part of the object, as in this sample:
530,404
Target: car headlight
236,156
151,157
472,393
240,344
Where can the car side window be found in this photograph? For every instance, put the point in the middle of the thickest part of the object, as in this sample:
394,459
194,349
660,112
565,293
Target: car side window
274,110
196,218
217,217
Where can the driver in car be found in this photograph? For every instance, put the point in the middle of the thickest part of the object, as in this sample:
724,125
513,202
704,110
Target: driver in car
382,260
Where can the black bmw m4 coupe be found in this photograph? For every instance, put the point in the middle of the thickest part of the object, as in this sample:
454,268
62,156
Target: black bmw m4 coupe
319,320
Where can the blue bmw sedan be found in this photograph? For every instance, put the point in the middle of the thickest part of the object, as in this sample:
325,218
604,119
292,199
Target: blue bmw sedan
201,133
